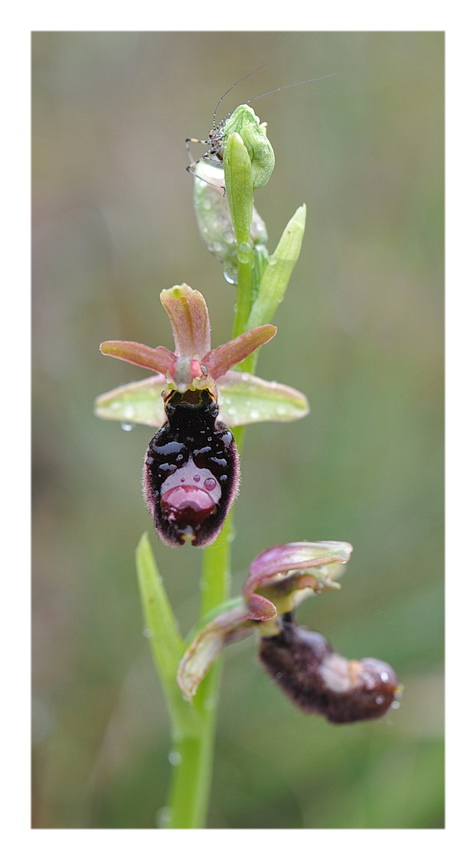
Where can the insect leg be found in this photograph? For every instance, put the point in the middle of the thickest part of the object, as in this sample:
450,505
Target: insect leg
189,140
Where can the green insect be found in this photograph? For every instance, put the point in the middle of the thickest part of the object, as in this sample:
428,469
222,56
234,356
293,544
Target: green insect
244,121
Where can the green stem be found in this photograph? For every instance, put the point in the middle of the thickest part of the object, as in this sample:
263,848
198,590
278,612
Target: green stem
243,297
193,760
194,750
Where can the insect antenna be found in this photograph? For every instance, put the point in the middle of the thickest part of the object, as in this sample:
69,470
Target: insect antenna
287,87
254,72
212,135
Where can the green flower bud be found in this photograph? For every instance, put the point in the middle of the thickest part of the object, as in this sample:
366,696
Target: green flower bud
244,122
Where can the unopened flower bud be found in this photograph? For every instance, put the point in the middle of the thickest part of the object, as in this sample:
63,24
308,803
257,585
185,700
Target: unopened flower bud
244,122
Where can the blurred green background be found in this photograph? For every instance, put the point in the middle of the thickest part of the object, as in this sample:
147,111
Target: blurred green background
361,332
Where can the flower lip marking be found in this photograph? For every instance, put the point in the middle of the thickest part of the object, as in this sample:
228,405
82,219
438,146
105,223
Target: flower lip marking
190,495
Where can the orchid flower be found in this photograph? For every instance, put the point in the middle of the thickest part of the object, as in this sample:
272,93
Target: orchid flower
315,676
191,470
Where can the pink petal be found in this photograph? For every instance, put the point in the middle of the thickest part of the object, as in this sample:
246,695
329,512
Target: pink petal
188,314
218,361
159,359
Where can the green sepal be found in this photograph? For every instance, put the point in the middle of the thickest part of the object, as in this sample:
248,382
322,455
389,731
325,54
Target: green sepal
279,270
243,399
134,403
207,644
246,399
220,609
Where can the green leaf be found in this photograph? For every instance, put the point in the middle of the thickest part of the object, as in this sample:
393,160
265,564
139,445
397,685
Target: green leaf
279,270
166,643
162,630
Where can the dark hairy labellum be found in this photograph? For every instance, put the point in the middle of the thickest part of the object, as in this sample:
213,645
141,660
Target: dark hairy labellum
320,680
191,471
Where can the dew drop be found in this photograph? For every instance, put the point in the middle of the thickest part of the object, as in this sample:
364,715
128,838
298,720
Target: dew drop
245,253
254,414
164,816
147,633
230,274
174,758
126,426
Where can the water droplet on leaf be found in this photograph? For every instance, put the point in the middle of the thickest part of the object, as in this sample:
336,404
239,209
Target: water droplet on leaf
163,816
174,758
